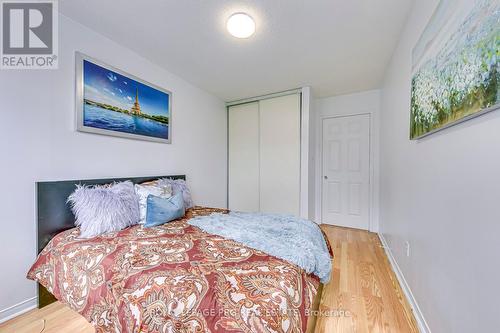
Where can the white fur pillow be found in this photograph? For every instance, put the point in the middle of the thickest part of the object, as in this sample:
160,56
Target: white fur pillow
179,186
144,190
103,209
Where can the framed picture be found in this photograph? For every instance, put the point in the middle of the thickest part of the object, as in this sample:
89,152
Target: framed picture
112,102
455,68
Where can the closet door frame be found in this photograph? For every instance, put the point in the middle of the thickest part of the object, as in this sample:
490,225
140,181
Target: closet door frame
304,106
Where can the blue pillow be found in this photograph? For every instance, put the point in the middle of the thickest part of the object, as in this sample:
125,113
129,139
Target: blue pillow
160,210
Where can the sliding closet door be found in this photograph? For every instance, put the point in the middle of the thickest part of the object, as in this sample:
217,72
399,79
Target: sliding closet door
244,157
280,154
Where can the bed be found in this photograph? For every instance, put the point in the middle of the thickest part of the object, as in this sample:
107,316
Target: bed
170,278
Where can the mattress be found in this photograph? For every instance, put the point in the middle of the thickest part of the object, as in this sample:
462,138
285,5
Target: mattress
175,278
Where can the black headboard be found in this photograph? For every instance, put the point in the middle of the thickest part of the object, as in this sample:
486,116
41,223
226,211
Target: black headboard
54,213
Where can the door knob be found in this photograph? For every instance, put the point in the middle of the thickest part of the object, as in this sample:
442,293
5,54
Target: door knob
326,177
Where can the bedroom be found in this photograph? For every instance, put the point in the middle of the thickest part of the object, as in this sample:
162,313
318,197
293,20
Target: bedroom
140,90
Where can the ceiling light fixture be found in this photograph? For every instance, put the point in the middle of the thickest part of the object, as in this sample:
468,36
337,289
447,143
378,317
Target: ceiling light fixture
240,25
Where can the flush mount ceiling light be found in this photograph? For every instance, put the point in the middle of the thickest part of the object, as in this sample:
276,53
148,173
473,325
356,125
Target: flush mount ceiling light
240,25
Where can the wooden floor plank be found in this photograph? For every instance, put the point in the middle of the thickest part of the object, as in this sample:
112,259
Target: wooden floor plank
362,296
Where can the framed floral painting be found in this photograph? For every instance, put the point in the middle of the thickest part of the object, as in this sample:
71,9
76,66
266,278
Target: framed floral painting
455,68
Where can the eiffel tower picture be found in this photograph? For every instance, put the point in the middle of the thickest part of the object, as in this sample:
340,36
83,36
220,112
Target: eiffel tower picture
136,108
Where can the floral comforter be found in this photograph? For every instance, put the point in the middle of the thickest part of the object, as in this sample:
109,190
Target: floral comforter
174,278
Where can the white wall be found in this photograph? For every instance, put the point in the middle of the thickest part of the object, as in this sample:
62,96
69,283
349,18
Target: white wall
442,195
367,102
38,142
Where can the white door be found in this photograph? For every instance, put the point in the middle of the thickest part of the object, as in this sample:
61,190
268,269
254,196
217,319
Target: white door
280,155
346,171
243,191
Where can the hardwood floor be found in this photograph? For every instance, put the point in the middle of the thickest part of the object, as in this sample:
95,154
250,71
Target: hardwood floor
363,286
56,318
363,295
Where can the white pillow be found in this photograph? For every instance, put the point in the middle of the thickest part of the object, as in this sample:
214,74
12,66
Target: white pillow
102,209
143,191
179,185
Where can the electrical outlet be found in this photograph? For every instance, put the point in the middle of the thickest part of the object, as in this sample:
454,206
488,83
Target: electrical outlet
407,247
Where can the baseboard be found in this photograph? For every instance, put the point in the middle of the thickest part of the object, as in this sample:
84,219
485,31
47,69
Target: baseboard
419,317
18,309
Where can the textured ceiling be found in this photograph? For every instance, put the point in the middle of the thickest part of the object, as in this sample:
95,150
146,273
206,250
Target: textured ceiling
334,46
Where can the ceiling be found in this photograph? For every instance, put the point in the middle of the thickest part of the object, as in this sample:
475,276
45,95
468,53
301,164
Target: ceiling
334,46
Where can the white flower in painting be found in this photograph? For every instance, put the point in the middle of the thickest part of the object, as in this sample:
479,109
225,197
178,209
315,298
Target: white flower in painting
425,90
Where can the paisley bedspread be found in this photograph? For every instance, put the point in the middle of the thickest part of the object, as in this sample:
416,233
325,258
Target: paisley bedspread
174,278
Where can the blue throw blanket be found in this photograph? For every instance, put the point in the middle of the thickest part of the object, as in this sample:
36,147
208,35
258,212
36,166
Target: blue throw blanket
287,237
